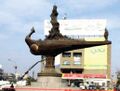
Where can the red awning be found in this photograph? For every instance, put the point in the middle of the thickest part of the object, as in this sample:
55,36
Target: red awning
81,76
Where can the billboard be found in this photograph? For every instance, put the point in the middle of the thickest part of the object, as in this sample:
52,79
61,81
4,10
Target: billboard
81,27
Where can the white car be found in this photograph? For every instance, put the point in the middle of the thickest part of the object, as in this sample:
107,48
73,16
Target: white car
5,84
21,83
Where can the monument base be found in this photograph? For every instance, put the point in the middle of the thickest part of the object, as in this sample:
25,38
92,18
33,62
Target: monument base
49,82
49,78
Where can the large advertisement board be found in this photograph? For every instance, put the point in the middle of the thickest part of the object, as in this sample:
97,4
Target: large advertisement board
81,27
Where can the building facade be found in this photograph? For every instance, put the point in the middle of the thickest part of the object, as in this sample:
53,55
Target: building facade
94,61
1,74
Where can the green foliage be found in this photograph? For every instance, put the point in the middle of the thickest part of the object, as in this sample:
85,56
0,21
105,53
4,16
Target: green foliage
29,80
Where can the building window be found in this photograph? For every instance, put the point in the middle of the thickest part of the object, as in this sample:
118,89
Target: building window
66,54
66,62
77,58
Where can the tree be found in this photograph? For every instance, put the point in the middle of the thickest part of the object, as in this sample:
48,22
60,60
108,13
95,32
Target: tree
118,80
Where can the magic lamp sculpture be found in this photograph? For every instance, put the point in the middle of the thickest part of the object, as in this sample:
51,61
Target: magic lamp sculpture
55,43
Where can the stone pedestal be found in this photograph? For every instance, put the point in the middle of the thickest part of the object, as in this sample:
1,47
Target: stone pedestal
49,77
49,82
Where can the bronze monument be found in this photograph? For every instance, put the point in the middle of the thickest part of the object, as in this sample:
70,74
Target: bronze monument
55,43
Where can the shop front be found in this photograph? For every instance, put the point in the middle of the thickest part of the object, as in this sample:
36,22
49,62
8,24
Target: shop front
86,81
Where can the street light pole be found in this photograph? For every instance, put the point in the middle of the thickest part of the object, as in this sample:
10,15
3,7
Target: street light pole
15,66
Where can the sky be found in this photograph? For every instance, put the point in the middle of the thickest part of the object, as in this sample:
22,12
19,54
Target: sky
17,17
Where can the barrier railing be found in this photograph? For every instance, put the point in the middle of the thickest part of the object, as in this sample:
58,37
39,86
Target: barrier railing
57,89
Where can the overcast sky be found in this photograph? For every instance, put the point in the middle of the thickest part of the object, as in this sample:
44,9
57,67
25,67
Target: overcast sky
18,16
